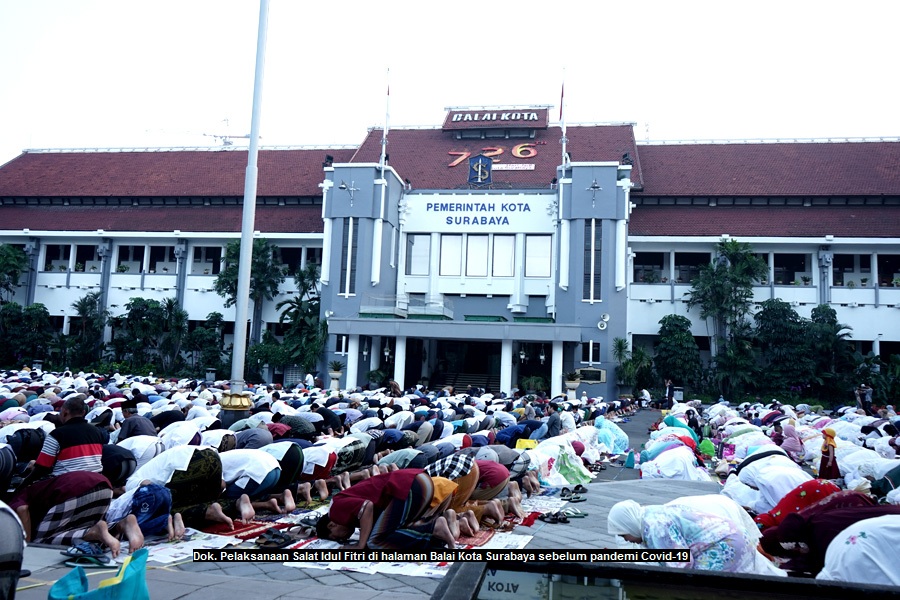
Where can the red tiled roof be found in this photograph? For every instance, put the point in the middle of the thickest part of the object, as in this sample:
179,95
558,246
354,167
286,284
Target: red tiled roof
795,169
422,155
164,173
269,219
766,221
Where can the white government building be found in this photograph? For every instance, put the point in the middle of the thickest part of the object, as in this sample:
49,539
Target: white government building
476,255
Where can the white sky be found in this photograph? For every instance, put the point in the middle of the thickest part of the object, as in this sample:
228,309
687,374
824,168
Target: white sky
135,73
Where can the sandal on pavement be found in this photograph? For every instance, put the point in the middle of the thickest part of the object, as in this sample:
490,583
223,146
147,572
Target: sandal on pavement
89,549
565,493
574,513
580,489
90,562
551,518
273,538
577,498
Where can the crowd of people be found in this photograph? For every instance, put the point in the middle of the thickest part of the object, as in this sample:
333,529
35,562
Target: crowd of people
821,489
94,459
87,461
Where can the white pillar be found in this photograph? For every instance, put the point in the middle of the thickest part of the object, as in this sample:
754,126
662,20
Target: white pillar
556,369
400,361
353,362
621,254
506,358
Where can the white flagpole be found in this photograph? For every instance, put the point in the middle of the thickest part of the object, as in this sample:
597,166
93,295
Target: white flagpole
562,118
387,118
378,233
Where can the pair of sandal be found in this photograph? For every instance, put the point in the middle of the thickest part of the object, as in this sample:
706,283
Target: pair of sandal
567,494
597,467
554,517
88,555
273,538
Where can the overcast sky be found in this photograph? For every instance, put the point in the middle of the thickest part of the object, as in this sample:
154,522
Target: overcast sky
135,73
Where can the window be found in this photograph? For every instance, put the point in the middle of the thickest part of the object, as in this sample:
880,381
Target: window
341,344
207,260
790,268
592,264
348,258
590,352
451,255
418,254
688,265
537,255
57,257
162,259
648,267
476,256
504,258
314,256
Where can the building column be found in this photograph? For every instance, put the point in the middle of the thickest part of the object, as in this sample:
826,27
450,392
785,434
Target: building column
353,362
32,253
400,361
506,364
180,271
556,369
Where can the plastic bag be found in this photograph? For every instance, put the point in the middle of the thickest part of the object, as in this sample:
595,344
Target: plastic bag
129,583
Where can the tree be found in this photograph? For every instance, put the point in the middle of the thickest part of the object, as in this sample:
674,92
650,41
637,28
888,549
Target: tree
265,278
174,334
10,326
783,339
151,334
635,367
724,292
677,356
36,332
90,322
306,335
207,340
13,263
832,352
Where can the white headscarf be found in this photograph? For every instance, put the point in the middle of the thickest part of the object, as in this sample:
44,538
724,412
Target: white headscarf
863,553
626,517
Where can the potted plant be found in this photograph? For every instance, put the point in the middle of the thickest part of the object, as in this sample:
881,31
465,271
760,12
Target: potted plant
48,267
335,370
851,284
863,281
572,380
376,376
533,383
806,279
123,268
93,268
896,281
79,267
63,267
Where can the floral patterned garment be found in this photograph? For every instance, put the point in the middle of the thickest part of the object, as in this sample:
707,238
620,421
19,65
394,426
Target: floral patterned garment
716,544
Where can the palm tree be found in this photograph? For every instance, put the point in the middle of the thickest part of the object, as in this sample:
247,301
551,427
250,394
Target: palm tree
265,278
91,322
306,334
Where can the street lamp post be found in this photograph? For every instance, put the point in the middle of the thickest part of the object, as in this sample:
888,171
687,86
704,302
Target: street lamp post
237,405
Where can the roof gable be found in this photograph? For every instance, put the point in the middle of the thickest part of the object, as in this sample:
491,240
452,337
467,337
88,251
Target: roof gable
434,159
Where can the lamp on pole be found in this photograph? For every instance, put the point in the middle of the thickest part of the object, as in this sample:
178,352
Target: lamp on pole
238,402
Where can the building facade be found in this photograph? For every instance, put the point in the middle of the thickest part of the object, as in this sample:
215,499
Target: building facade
476,252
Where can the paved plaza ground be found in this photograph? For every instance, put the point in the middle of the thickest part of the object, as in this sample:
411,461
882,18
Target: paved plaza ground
268,581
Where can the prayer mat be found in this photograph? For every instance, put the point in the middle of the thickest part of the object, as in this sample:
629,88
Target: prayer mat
250,531
479,539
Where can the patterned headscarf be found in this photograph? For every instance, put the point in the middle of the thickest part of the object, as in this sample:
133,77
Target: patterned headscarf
626,517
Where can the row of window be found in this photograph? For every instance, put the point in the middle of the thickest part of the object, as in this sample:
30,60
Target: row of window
161,259
479,255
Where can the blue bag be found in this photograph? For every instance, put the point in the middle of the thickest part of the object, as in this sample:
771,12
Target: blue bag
129,583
